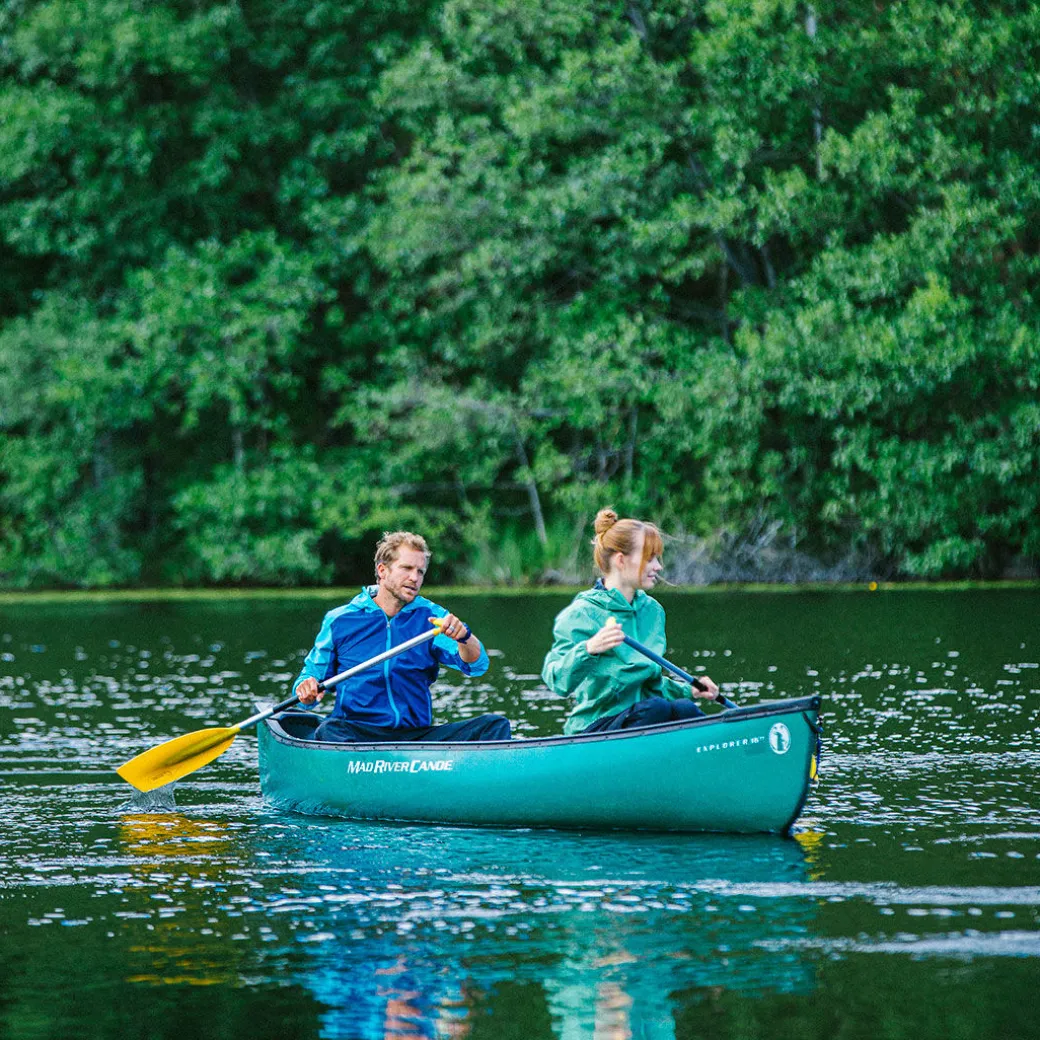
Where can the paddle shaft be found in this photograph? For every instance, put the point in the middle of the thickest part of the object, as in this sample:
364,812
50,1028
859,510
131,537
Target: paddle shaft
658,659
182,755
326,683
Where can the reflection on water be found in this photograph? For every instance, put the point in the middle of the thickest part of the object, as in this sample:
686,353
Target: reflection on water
169,859
812,842
907,904
402,932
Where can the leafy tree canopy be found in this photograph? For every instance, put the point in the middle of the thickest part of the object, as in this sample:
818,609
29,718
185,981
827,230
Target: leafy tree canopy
277,276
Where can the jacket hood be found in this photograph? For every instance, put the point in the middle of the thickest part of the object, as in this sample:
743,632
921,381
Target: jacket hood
610,599
366,599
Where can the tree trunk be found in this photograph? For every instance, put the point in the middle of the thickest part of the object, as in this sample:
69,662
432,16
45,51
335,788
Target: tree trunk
532,489
238,450
630,447
817,115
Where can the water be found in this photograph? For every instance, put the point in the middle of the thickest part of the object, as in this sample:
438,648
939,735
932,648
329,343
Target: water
907,904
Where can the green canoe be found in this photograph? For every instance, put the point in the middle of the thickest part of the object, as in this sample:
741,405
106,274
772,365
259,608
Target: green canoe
742,770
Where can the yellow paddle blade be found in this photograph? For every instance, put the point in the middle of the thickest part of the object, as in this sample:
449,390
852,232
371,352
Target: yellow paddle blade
176,758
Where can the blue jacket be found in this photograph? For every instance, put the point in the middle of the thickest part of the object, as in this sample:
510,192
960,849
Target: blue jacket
396,693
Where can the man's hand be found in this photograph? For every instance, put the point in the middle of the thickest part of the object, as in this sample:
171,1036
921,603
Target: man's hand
453,628
469,646
308,691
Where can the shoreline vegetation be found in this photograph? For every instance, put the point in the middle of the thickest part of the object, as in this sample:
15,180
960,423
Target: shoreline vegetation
277,277
520,562
436,592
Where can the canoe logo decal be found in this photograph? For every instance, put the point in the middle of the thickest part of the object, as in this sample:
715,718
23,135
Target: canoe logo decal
780,738
747,741
411,765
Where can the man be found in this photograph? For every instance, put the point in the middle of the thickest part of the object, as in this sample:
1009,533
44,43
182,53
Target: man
391,701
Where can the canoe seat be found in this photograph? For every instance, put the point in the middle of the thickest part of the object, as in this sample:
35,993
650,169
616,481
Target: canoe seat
298,724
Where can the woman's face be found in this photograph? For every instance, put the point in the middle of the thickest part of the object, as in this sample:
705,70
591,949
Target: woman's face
629,565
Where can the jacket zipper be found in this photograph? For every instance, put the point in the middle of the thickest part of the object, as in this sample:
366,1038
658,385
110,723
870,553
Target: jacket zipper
386,674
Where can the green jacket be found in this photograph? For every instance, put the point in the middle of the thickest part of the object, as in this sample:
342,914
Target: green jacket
605,684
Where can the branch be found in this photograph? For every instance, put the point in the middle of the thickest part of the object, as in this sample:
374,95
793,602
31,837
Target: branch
746,275
635,16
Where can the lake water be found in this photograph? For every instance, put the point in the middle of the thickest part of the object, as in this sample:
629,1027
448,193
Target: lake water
907,904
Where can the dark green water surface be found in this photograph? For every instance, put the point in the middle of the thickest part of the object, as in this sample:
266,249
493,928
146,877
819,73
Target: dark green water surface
906,905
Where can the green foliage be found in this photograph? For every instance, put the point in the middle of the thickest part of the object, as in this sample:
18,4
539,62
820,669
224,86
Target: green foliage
276,278
511,554
69,472
253,526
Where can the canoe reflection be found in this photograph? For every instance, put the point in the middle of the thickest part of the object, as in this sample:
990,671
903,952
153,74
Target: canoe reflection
393,931
445,932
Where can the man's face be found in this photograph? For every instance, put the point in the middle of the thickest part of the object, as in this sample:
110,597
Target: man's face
404,577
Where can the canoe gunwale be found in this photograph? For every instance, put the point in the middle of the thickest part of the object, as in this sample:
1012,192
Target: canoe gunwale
796,705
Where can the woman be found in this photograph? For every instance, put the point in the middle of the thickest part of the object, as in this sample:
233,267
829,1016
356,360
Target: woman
614,686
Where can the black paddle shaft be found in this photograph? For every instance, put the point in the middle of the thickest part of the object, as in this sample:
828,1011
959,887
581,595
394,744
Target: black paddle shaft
675,670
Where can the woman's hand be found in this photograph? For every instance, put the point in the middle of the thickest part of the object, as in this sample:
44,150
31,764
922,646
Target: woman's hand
609,636
710,689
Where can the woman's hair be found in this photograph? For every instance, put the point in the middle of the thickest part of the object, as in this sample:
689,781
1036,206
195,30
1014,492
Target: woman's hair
393,541
614,535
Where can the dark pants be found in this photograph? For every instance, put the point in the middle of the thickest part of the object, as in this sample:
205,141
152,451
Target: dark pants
651,712
338,730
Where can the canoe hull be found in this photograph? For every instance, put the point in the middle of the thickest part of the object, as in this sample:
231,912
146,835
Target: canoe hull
745,770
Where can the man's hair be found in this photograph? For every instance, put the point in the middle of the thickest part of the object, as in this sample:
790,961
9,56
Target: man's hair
393,541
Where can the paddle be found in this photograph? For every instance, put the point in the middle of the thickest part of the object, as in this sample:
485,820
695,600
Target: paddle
182,755
658,659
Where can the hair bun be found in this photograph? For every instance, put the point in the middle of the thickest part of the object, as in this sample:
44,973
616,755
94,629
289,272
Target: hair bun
605,520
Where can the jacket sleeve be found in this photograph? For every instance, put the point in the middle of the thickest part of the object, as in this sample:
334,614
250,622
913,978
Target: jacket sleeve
665,686
568,662
446,651
320,663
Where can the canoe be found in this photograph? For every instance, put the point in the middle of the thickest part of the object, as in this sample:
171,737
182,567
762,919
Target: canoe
744,770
